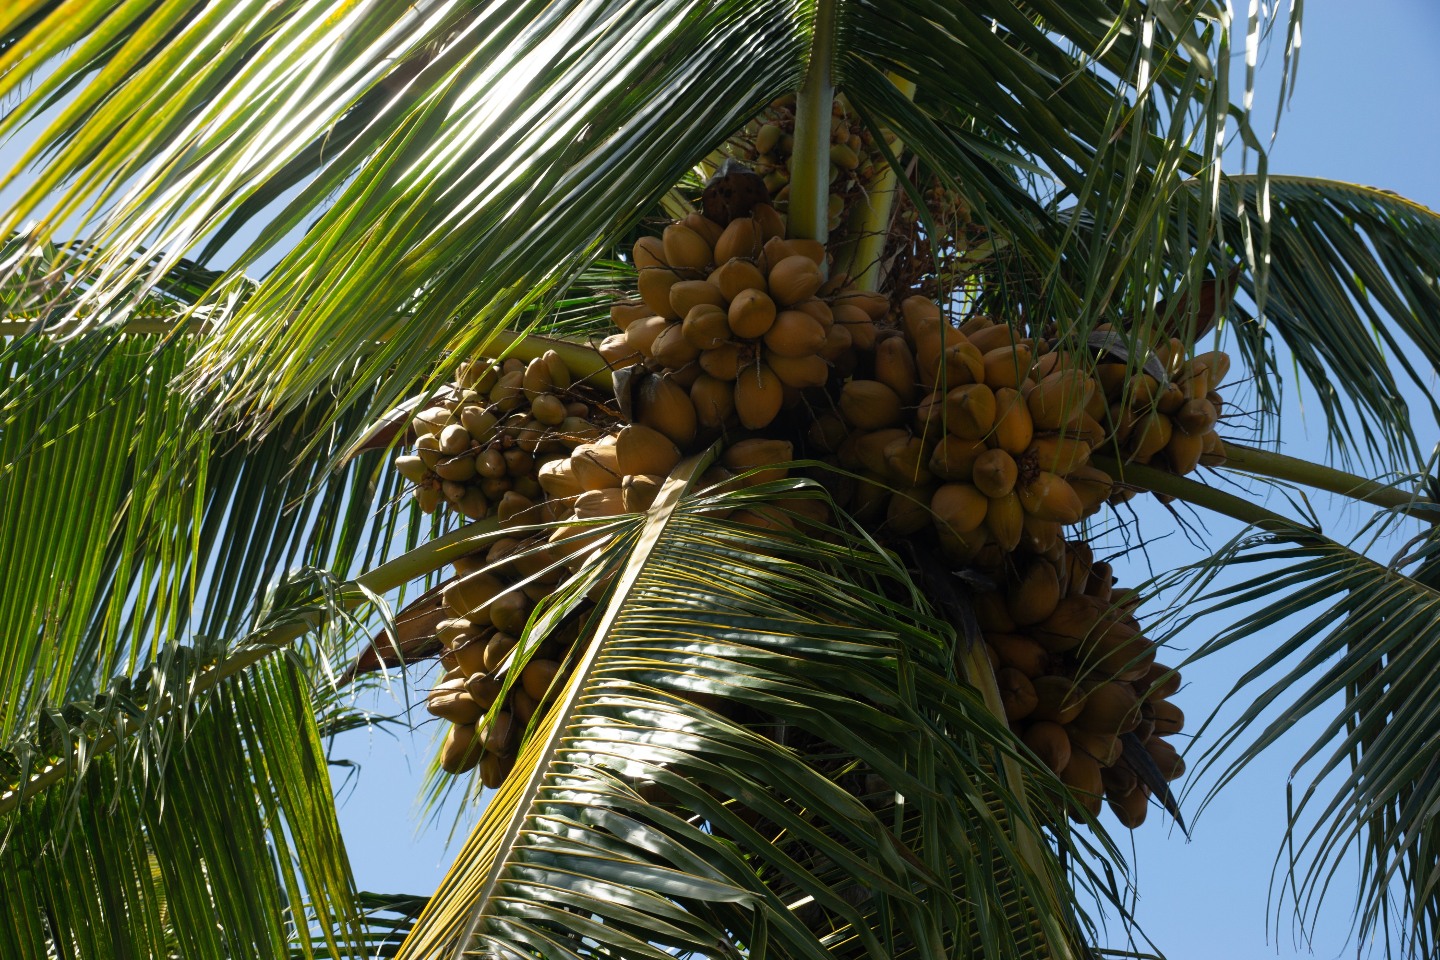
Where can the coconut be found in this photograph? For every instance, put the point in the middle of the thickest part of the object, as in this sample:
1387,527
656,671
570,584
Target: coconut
758,396
793,279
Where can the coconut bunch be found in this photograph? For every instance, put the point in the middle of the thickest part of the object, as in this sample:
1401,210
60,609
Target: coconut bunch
1165,413
493,684
913,263
972,430
618,473
486,434
623,472
1078,679
491,597
767,141
733,322
966,437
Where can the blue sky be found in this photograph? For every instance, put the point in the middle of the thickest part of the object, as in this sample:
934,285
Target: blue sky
1366,111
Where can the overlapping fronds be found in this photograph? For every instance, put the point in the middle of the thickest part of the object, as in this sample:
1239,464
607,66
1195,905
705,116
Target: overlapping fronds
763,750
225,846
1345,277
1030,109
1362,635
1348,278
45,286
129,524
385,921
84,533
464,160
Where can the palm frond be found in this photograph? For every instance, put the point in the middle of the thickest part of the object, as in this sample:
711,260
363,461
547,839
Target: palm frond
1353,292
226,845
582,312
386,920
532,155
46,282
1361,636
448,183
129,525
174,749
1096,111
1345,277
843,798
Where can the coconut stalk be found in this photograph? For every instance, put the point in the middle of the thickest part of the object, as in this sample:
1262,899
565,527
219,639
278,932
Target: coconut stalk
1277,466
976,670
1199,494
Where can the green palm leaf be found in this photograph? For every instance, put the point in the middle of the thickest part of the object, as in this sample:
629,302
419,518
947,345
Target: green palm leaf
434,173
210,849
1361,634
387,919
1352,292
129,524
417,204
198,792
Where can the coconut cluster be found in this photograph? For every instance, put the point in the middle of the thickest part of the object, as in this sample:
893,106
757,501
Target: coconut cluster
972,430
483,437
1165,414
915,264
732,323
767,142
494,683
1078,678
489,691
960,436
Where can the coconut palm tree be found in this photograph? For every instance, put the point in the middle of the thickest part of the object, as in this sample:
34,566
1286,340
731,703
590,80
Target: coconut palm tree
244,232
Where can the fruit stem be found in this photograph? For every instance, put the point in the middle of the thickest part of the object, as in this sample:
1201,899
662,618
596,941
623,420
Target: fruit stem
583,360
384,578
1277,466
12,326
538,757
869,223
810,159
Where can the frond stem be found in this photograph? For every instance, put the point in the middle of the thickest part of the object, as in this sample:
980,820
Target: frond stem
810,160
1199,494
978,672
1277,466
869,224
657,518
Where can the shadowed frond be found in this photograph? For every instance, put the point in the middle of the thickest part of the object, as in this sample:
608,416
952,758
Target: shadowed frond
224,846
129,525
1351,286
385,921
762,750
1361,636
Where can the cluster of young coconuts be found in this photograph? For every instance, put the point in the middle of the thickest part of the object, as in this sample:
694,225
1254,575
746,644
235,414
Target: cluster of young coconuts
967,437
478,445
1078,679
766,143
